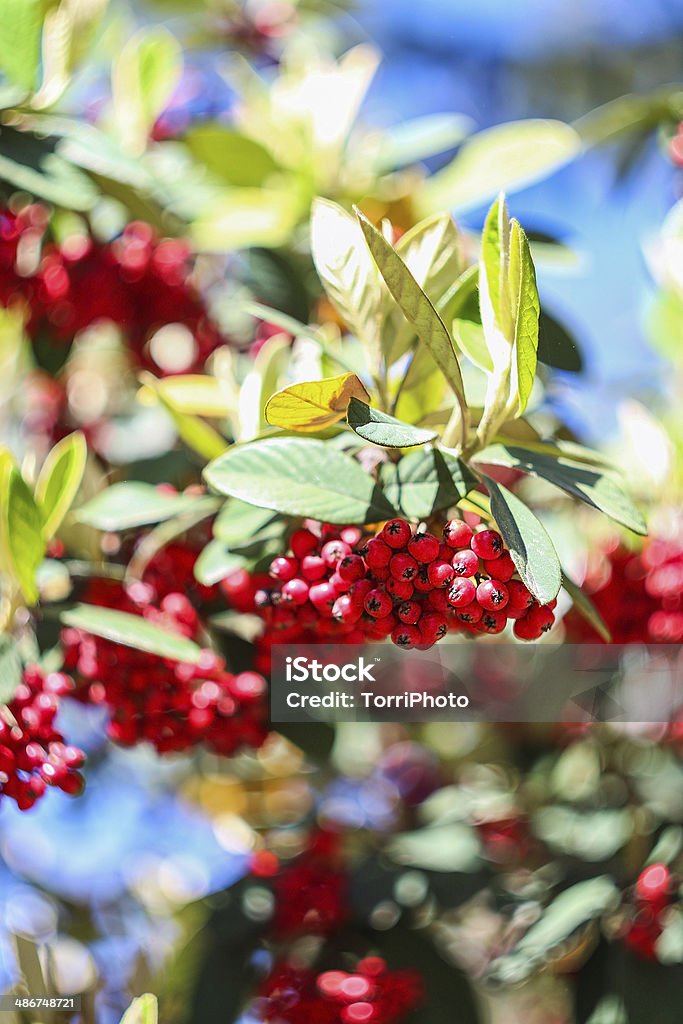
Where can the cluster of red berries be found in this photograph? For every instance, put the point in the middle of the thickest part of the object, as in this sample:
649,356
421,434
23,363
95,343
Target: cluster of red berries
411,586
311,892
638,594
653,893
139,282
173,705
372,994
33,754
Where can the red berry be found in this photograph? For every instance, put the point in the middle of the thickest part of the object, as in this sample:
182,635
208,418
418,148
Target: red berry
440,573
403,566
470,613
541,618
406,636
502,568
333,552
465,562
525,629
359,590
492,622
351,535
491,595
424,547
396,533
433,627
322,597
487,545
461,592
400,589
346,610
303,542
378,554
457,533
296,591
409,612
654,885
284,568
313,568
422,582
438,600
519,596
378,603
351,568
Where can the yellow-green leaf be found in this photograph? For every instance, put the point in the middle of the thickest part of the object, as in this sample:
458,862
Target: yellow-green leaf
196,394
527,309
143,1010
59,481
22,531
469,337
143,79
415,305
21,23
314,404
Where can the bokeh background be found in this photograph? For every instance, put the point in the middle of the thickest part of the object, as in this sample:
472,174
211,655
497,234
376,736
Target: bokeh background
141,865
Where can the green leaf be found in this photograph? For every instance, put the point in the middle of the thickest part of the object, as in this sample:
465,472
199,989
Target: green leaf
22,23
382,429
580,480
284,322
312,405
470,340
59,481
585,607
425,482
300,478
409,142
132,503
144,76
568,912
530,546
199,436
449,847
230,155
216,562
240,218
461,299
556,347
347,271
494,267
22,530
238,522
131,631
504,158
527,309
143,1010
414,305
10,669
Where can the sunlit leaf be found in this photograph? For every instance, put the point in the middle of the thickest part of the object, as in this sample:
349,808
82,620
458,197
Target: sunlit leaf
132,503
131,631
21,527
425,482
414,305
526,305
314,405
470,340
143,1010
195,394
411,141
22,22
244,217
59,481
506,158
230,155
144,76
300,478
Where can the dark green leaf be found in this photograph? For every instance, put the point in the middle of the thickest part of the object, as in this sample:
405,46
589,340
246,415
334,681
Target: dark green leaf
556,347
59,480
425,482
131,631
382,429
585,482
10,669
126,505
530,546
586,608
414,305
30,163
300,478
